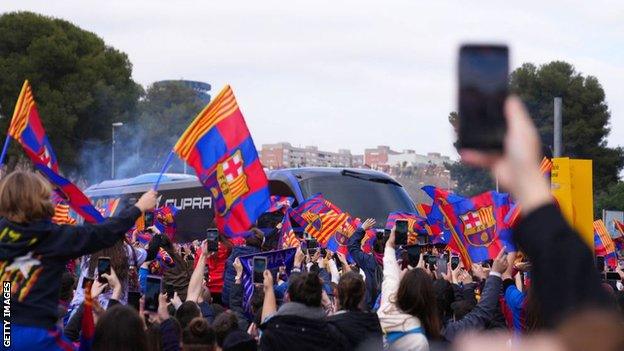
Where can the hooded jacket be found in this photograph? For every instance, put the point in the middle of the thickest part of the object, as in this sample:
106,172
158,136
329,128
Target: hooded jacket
367,263
361,329
230,272
33,258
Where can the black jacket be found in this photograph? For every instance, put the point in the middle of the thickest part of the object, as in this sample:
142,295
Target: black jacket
289,332
367,263
361,329
33,256
564,275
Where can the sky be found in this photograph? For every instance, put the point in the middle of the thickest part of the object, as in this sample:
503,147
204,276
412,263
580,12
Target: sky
349,74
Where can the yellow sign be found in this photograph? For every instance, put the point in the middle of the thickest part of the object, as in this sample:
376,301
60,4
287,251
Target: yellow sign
571,184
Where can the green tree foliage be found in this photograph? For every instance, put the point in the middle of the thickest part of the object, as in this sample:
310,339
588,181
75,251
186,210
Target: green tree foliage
585,115
164,113
612,199
81,85
470,181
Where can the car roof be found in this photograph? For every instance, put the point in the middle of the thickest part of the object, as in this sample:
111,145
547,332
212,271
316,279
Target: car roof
313,172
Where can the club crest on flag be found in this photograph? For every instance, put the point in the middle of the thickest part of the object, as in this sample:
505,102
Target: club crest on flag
479,226
314,221
231,179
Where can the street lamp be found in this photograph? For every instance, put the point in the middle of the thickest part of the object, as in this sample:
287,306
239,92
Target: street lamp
115,124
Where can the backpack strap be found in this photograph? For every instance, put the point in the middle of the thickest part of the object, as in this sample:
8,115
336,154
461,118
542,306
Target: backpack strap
392,337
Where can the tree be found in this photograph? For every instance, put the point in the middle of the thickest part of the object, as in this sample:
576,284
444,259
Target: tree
585,115
164,113
81,85
612,199
470,181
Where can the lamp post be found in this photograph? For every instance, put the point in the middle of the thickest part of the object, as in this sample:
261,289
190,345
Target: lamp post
115,124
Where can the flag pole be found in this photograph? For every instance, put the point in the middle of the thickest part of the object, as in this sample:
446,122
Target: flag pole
162,171
4,149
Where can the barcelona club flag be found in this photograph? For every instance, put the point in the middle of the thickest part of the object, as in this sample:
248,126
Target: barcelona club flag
603,244
438,226
26,128
326,222
477,226
219,147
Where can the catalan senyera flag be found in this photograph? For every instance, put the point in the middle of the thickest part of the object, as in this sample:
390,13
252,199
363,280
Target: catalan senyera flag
603,244
219,147
61,215
514,214
477,226
26,128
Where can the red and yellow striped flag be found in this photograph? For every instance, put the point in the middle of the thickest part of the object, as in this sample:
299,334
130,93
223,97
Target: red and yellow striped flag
61,215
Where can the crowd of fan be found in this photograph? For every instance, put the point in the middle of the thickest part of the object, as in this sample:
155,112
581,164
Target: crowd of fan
549,297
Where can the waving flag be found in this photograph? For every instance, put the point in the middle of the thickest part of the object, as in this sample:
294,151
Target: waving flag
323,220
435,218
514,214
280,203
603,244
288,238
415,224
61,215
26,128
219,147
477,226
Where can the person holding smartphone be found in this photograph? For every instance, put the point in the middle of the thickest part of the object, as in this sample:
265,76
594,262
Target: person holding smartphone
369,263
26,210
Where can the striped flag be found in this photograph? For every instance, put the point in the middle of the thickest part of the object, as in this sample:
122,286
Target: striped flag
61,215
603,244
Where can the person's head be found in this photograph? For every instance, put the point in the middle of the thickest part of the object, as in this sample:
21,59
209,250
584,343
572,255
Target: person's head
25,197
351,291
444,297
155,336
198,335
120,328
224,324
415,296
255,238
118,254
306,288
238,340
187,311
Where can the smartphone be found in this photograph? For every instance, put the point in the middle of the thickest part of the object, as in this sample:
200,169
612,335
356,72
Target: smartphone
446,256
87,281
259,266
212,237
483,87
133,299
103,266
153,287
149,219
432,259
454,262
600,263
169,291
312,246
400,232
612,276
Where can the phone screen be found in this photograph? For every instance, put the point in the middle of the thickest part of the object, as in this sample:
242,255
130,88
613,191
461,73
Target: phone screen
400,232
103,266
259,266
152,289
169,290
600,263
612,276
312,246
149,219
454,262
133,299
212,237
483,88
